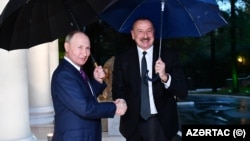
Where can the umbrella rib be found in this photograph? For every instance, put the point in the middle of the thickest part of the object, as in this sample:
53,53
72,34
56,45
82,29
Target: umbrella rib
130,14
190,17
108,5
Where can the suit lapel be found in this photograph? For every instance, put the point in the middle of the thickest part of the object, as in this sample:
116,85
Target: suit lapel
75,72
136,65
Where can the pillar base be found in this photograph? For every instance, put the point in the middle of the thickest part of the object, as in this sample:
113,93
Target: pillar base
31,137
41,115
113,125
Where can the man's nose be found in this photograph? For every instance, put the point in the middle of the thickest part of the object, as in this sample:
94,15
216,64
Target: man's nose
85,52
145,34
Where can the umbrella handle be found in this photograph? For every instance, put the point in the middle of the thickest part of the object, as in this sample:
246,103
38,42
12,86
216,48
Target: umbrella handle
152,79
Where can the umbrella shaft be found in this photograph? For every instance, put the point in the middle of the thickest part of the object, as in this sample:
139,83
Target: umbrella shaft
162,10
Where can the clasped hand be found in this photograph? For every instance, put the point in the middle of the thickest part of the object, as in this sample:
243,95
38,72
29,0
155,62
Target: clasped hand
99,74
160,69
121,106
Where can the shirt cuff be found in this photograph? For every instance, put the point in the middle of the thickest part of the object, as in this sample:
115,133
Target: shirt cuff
167,84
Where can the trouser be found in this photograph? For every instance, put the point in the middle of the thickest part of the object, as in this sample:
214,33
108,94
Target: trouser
149,130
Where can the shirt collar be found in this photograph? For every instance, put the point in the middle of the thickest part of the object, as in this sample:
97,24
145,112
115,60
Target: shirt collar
76,66
149,50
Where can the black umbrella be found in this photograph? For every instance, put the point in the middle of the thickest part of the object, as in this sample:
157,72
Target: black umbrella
26,23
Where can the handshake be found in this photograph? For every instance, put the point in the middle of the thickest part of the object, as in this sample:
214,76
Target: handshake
121,106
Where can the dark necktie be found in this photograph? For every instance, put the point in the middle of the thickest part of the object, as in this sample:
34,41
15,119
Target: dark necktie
84,76
145,106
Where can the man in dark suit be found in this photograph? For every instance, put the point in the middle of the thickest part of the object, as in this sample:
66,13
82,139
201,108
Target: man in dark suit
162,121
77,112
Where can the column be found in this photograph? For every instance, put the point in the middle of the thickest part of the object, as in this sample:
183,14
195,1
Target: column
41,107
53,56
14,105
2,4
14,108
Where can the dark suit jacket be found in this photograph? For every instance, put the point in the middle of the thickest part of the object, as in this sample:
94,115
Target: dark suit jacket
126,84
77,112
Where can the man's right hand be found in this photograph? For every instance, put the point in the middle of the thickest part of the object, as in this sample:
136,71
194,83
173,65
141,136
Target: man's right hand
121,106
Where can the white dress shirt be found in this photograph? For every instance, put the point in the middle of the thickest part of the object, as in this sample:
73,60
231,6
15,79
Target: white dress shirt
149,58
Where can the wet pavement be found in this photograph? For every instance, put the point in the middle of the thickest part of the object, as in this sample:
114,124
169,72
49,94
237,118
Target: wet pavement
215,109
196,109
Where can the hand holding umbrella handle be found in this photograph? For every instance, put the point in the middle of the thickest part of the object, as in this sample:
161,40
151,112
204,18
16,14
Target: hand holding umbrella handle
93,60
95,64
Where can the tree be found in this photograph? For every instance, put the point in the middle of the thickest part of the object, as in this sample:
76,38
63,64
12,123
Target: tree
235,83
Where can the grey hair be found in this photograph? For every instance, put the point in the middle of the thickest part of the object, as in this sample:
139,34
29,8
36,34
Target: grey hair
71,34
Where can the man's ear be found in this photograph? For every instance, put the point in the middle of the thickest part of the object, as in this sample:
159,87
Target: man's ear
66,46
132,34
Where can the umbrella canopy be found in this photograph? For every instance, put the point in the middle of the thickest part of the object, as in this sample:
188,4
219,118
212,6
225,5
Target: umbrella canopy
171,18
26,23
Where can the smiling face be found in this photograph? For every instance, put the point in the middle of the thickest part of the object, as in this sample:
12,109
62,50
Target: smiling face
77,48
143,33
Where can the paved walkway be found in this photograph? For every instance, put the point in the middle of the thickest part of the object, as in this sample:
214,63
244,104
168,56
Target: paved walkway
41,131
198,109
